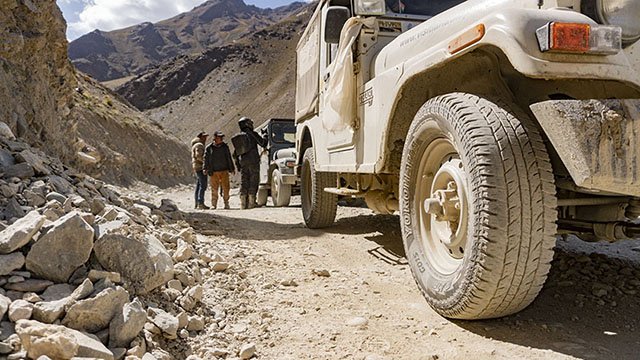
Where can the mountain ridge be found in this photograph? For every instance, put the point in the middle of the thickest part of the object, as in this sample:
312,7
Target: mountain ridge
257,79
135,49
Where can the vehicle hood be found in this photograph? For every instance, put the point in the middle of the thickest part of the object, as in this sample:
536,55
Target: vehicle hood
285,153
442,27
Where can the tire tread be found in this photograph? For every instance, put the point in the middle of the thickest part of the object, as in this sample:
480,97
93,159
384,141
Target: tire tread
323,207
514,219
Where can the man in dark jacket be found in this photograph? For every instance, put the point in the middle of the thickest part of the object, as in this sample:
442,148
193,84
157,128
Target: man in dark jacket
218,165
247,160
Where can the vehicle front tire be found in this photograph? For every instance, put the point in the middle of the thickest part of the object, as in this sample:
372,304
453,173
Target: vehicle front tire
280,193
318,206
262,197
478,206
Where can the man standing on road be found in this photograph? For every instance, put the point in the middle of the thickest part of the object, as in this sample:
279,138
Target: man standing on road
218,165
247,160
197,163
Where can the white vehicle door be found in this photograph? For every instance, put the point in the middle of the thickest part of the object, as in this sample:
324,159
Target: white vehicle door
338,92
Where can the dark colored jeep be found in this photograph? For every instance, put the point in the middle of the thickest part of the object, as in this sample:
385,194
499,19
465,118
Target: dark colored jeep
278,159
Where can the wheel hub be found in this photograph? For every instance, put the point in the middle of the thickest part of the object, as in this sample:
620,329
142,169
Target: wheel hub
445,204
447,207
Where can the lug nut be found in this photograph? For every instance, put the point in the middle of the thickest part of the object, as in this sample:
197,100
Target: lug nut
432,206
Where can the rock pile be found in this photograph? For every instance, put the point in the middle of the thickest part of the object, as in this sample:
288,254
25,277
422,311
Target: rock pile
86,272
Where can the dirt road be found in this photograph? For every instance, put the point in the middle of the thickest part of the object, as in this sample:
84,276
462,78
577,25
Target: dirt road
368,307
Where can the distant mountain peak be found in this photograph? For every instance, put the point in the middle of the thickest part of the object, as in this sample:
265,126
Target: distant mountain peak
132,50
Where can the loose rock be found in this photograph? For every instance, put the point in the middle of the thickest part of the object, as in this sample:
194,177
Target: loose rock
175,284
54,196
22,171
19,310
19,233
50,311
31,297
95,275
36,162
196,292
219,266
57,292
196,323
60,185
59,298
165,321
357,322
11,262
183,252
321,273
127,324
5,131
59,341
143,263
4,306
94,314
247,351
30,285
167,205
62,249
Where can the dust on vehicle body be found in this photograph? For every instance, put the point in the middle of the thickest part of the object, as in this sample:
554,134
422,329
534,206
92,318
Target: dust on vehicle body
460,115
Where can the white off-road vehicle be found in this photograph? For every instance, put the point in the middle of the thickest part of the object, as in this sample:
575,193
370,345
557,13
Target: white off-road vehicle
492,126
277,163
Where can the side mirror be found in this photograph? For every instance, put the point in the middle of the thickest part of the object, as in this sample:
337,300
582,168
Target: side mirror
335,18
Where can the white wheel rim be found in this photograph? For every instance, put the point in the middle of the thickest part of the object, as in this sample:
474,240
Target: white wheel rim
441,205
275,185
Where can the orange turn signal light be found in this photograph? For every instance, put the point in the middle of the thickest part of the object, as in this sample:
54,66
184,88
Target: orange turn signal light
579,38
570,37
467,39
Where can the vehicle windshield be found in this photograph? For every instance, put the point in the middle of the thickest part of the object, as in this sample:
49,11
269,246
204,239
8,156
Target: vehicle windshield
421,7
283,133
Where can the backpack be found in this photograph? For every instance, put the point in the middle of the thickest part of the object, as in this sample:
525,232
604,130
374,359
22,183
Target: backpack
241,143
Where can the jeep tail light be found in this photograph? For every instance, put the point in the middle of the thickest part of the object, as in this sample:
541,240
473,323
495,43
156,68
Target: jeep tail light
579,38
290,163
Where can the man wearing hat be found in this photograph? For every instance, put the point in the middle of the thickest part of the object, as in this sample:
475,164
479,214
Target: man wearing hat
197,162
218,164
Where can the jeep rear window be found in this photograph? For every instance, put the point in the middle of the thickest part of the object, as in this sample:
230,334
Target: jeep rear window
421,7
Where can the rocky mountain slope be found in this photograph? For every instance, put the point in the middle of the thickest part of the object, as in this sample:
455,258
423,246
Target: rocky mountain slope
130,51
69,116
36,78
254,77
122,145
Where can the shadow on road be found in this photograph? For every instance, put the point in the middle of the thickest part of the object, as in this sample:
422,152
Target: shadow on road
381,229
589,308
218,224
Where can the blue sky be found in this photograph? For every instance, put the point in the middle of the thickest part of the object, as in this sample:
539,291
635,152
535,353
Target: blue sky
84,16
